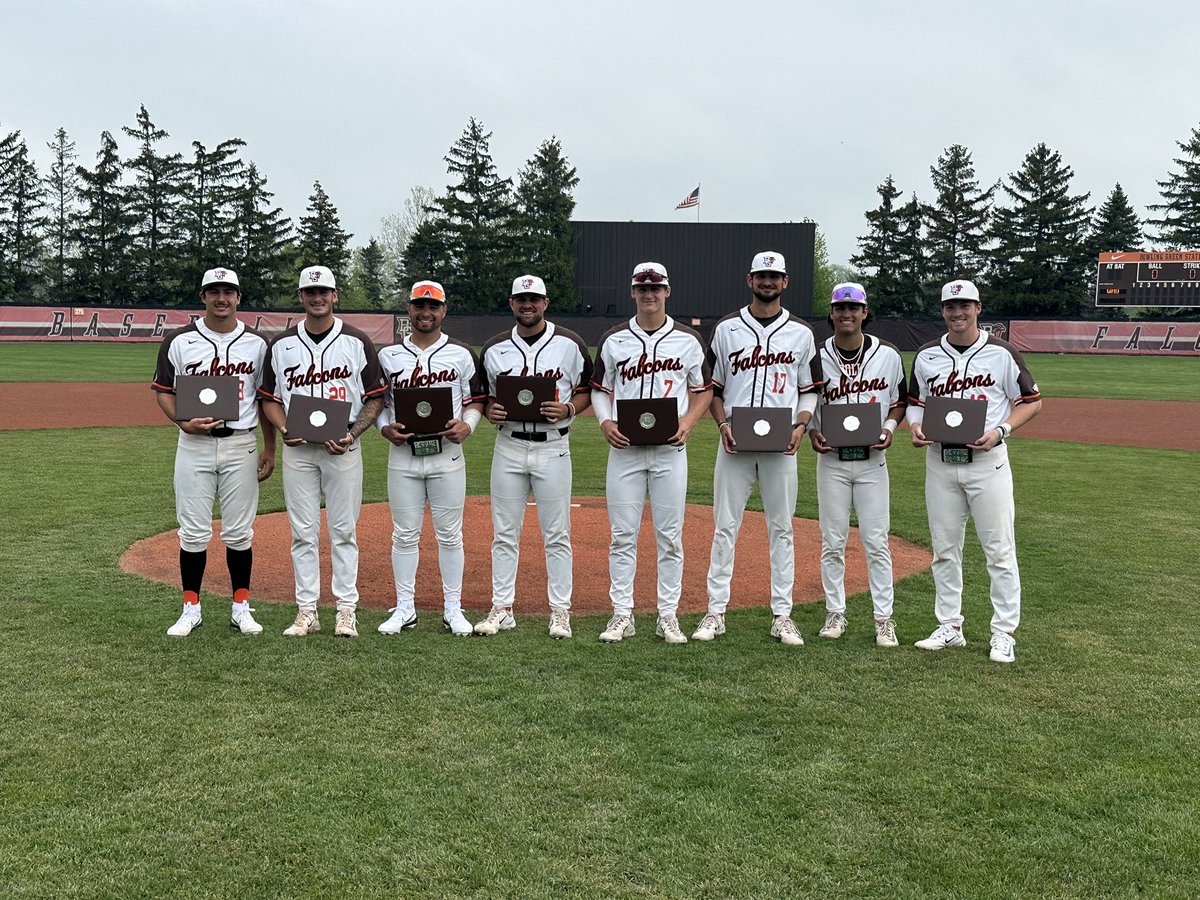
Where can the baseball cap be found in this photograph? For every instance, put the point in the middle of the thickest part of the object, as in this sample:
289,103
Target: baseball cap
529,284
849,292
960,290
768,261
317,276
650,273
220,276
427,290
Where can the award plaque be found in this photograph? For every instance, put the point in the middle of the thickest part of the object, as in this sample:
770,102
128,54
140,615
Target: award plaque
207,396
316,419
762,429
954,422
648,422
522,396
423,411
852,428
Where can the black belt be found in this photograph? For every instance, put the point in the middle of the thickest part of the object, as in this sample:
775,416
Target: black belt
222,431
538,437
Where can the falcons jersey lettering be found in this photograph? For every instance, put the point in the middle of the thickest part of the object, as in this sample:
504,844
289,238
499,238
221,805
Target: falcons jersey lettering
197,350
448,363
990,369
875,376
634,365
763,365
342,366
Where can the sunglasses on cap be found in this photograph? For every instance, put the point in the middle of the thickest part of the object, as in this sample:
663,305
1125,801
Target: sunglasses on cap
428,292
649,275
849,293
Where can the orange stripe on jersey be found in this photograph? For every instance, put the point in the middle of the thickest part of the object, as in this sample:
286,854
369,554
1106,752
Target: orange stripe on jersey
162,388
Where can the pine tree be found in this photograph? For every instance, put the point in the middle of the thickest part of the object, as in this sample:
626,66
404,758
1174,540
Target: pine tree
545,203
956,222
426,255
322,242
1115,227
155,276
879,257
915,297
1179,225
823,276
263,253
22,220
1041,254
210,204
102,232
369,277
62,190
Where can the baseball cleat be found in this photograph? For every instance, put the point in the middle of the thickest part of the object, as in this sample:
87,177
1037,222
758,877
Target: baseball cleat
668,629
560,624
346,624
1003,647
784,630
834,627
399,620
885,633
306,623
499,618
712,625
242,619
619,627
943,636
187,622
456,623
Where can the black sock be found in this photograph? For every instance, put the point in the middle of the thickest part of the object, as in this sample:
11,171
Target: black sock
191,569
240,562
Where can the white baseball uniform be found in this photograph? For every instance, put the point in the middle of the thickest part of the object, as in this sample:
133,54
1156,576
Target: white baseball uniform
874,375
632,364
341,365
534,457
208,467
765,364
982,489
440,479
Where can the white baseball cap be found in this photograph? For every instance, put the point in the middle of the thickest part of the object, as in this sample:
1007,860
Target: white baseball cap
768,261
317,276
849,292
427,290
528,284
220,276
960,290
650,273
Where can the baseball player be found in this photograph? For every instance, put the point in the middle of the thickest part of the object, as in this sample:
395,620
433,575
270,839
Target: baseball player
650,356
531,457
969,363
429,358
214,458
323,356
857,368
760,356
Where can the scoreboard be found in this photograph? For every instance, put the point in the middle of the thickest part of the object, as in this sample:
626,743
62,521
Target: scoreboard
1148,279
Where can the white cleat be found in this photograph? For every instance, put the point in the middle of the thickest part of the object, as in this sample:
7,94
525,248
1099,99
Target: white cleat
943,636
346,624
619,627
885,633
499,618
834,627
187,622
710,627
456,623
400,620
241,617
668,629
306,623
560,624
784,630
1003,647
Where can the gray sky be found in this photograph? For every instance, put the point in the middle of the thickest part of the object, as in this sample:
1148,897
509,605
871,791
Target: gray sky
780,111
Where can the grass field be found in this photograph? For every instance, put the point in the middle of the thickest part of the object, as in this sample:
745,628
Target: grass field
224,766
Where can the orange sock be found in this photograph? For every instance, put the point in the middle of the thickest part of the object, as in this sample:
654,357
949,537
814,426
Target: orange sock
191,597
241,595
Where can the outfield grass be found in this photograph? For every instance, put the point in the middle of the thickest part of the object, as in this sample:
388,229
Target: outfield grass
423,765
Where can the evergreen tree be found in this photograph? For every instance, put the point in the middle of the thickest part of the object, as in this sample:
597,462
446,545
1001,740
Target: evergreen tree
914,297
426,256
102,232
263,253
879,257
62,190
322,242
545,202
370,276
155,276
22,220
823,275
1115,227
1041,254
396,229
211,203
476,225
956,222
1179,225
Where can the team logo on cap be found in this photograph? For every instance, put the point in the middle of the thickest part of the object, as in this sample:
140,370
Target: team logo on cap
955,290
768,261
314,276
527,283
219,274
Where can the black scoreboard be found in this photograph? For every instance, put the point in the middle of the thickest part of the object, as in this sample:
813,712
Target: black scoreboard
1148,279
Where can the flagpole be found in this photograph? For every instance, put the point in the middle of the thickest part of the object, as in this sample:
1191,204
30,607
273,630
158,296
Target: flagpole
697,203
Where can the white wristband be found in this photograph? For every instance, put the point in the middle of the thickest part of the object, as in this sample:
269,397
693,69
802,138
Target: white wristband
471,417
890,425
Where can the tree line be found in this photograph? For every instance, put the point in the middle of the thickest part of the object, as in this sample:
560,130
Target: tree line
1027,239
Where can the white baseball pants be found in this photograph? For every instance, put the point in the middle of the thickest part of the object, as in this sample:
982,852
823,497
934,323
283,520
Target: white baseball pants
520,468
982,490
308,472
733,479
208,468
441,481
864,486
633,473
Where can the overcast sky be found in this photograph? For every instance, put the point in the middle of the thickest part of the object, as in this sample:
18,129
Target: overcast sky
780,111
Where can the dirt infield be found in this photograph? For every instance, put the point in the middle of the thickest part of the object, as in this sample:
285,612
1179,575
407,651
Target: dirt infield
157,557
1169,424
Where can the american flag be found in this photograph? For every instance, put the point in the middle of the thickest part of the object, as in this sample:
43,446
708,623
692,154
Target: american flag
692,199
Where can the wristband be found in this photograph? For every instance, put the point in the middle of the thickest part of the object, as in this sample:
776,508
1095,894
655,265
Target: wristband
1005,430
890,425
722,424
471,417
803,425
